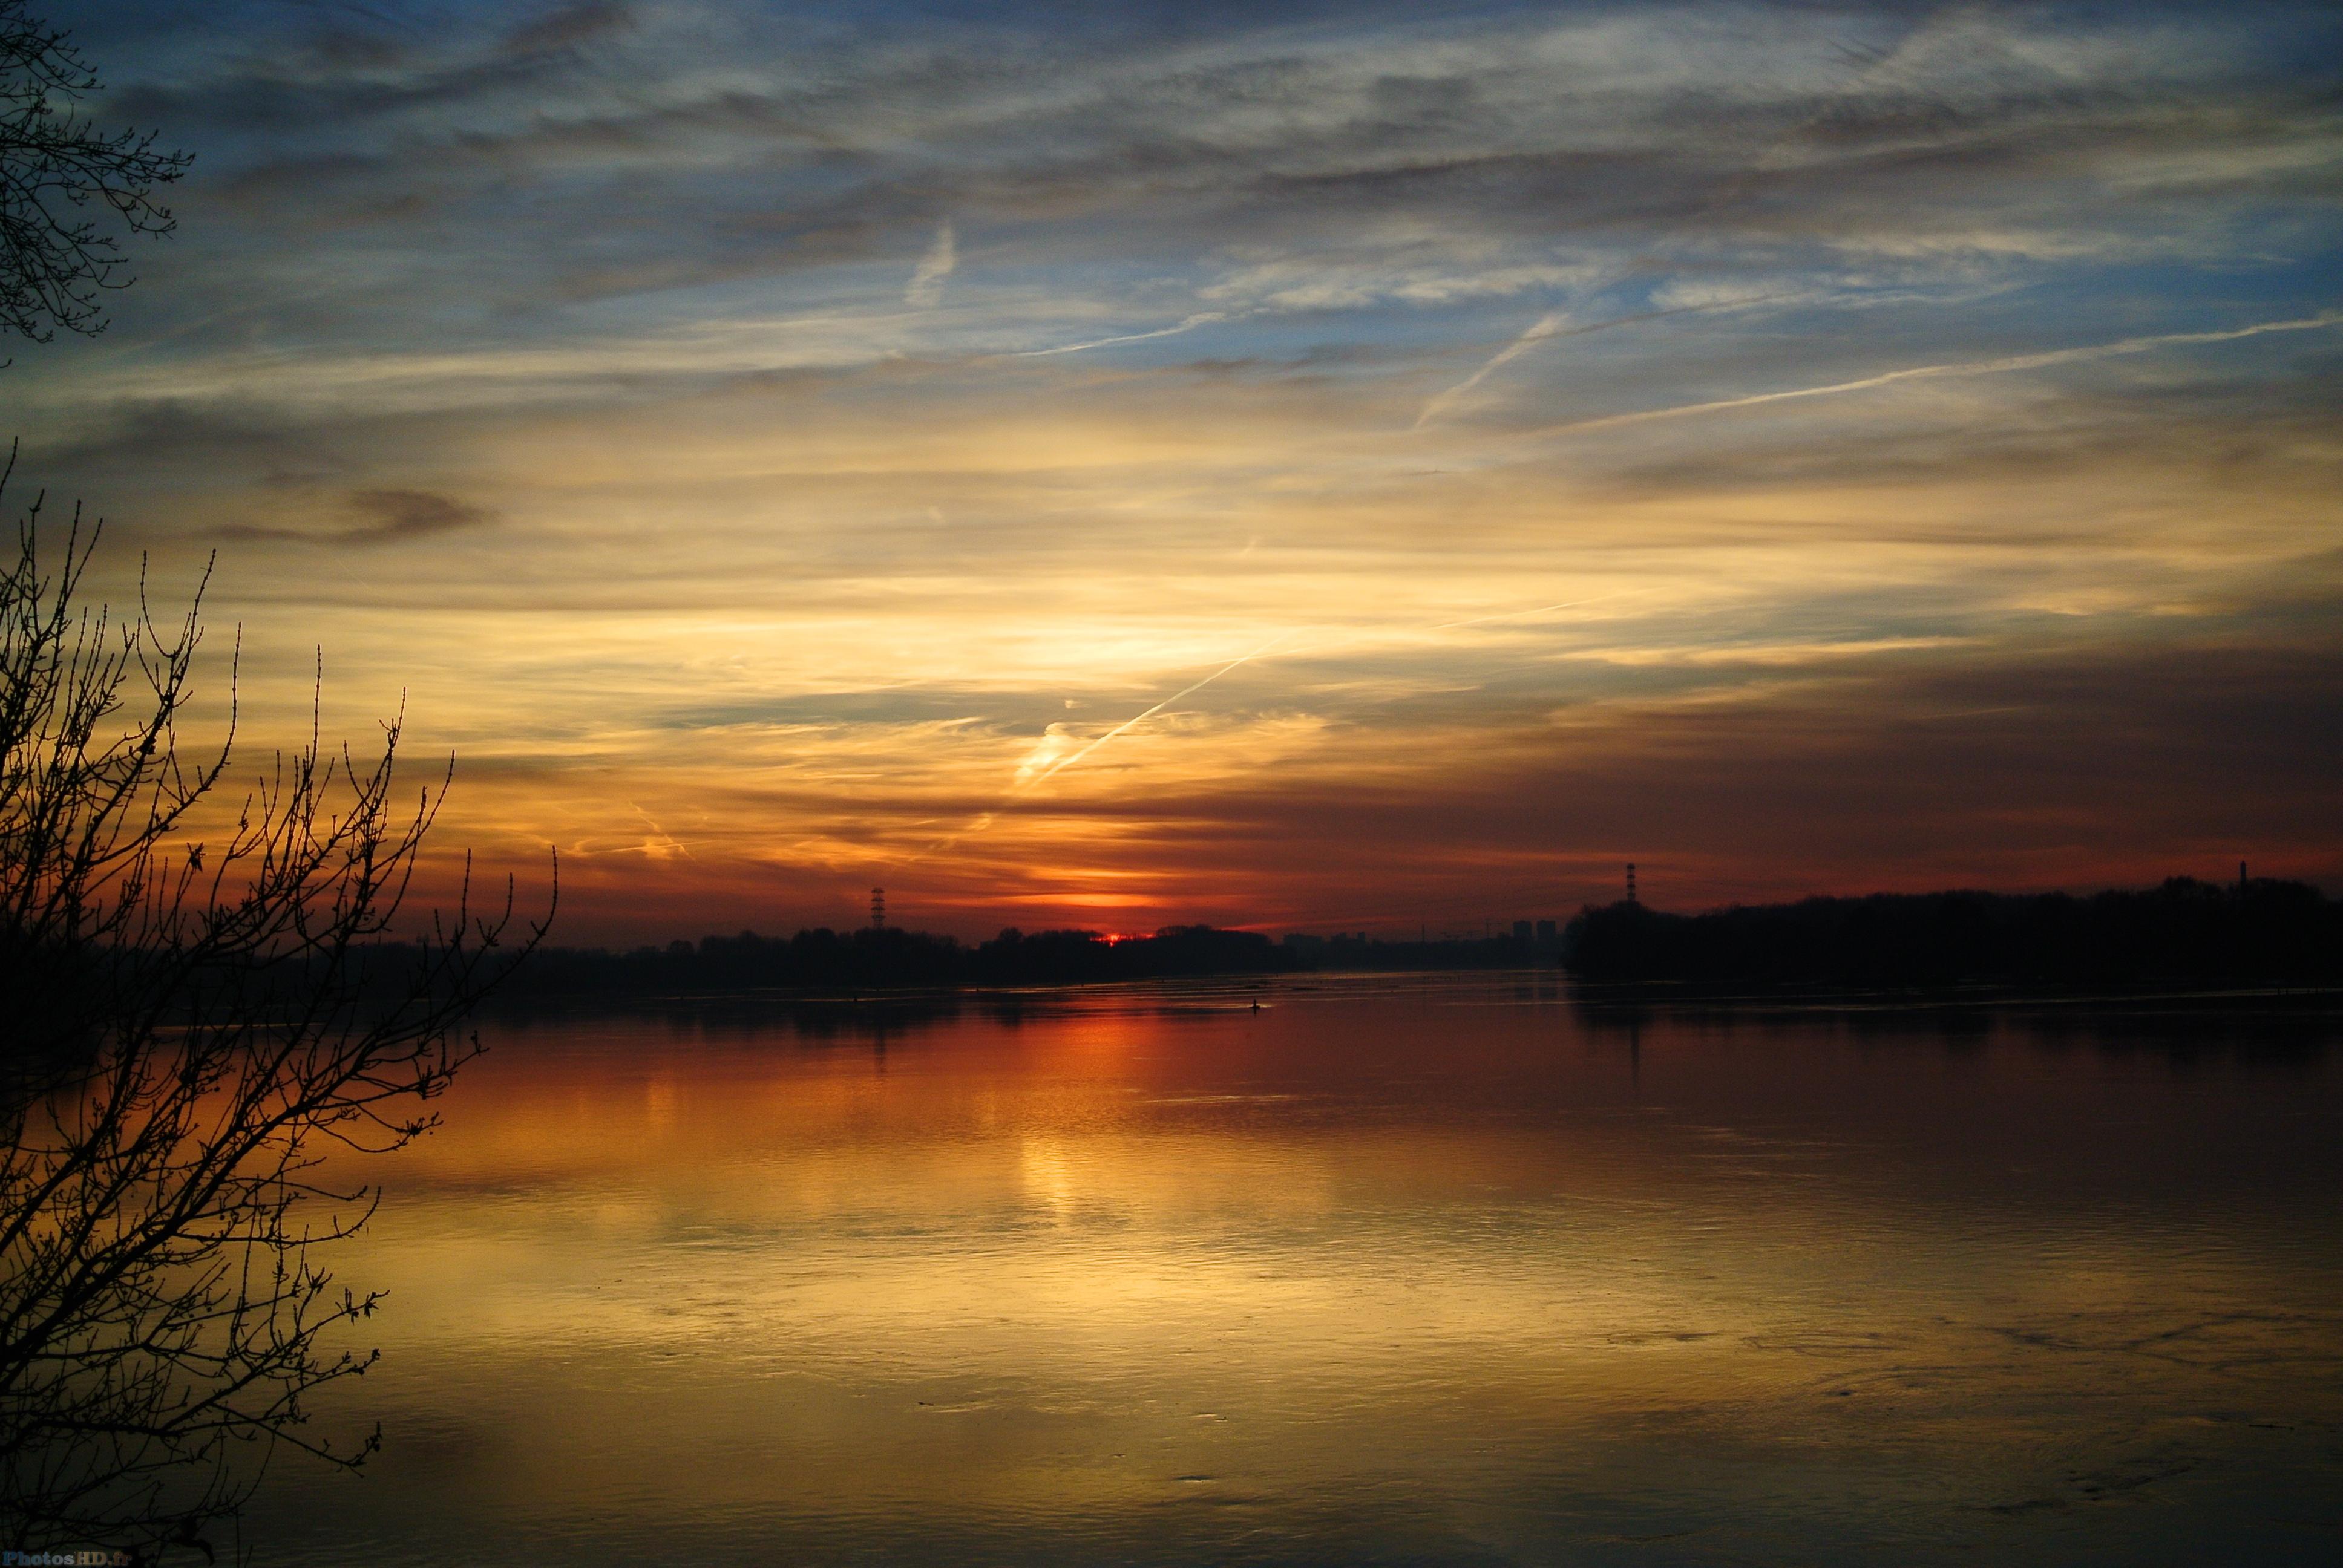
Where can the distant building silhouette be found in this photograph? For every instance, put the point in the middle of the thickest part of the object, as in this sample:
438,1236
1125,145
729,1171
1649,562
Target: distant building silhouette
1524,930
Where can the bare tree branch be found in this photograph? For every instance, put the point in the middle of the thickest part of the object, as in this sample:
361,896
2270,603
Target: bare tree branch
194,1024
58,174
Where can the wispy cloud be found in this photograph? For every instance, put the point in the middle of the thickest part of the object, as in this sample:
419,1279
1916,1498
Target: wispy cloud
570,25
927,285
390,517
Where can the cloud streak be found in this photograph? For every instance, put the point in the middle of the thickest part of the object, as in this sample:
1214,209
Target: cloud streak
392,516
2003,364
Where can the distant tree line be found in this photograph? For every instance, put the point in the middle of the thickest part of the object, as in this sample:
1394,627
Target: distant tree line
2183,932
889,958
875,959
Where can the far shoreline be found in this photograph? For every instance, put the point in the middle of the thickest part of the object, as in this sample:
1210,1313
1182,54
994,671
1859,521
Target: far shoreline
1236,991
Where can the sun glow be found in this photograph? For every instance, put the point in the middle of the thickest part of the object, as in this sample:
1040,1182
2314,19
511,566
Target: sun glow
1399,540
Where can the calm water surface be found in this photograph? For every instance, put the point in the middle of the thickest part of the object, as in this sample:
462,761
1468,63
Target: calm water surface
1398,1270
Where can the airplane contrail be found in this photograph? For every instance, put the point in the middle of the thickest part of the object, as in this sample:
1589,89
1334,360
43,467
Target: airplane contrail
1550,325
1544,326
985,819
981,822
1065,763
1956,368
1200,320
1518,614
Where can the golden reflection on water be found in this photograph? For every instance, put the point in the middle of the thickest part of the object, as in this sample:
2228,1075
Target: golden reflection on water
1424,1270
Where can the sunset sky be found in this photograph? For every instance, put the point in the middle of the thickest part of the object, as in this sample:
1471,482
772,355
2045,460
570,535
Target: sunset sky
1310,467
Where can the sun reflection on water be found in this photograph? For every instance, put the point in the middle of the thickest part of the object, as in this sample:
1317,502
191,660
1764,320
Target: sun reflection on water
1439,1271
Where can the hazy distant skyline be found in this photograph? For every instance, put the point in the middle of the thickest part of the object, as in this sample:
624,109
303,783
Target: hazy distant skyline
783,450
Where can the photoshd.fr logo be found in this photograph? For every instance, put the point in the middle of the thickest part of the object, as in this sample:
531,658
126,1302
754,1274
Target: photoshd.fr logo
87,1557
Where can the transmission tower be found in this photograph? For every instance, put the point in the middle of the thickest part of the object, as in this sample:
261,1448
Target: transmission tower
878,909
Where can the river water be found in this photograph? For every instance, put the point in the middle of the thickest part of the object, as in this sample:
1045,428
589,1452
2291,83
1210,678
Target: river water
1392,1270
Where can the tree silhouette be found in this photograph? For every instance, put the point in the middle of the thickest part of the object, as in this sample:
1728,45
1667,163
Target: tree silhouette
201,1004
2183,932
56,261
